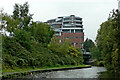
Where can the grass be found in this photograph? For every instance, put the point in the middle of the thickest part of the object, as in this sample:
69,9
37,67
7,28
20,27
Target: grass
0,71
17,69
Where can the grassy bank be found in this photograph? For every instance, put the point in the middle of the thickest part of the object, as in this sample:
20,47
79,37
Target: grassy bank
20,72
16,69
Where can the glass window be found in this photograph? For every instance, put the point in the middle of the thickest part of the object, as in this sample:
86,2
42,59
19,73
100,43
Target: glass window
59,21
55,25
66,31
68,26
76,43
79,26
80,43
66,23
72,37
72,30
81,37
78,30
81,30
72,43
78,19
66,18
76,37
78,22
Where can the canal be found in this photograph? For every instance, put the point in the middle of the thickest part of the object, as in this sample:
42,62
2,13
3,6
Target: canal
92,72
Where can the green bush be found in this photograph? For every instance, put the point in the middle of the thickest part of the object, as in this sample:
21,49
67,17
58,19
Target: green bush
100,63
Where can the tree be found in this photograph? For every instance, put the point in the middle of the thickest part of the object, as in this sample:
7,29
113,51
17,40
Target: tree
11,24
0,50
95,53
19,20
54,44
64,48
108,41
41,32
21,13
7,22
88,44
24,38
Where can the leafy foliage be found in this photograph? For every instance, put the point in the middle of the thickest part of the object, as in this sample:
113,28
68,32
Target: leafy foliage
21,13
41,32
33,45
108,42
95,53
24,38
88,44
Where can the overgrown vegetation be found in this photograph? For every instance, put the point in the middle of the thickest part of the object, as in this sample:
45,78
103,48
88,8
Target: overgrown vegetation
88,44
33,44
108,42
0,55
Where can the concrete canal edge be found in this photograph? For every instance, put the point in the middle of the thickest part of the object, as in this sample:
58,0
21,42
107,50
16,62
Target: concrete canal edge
18,74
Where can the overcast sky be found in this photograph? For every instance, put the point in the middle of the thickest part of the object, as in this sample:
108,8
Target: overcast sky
93,12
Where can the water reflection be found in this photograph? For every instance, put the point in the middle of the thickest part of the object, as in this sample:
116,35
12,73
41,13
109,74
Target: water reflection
75,73
108,74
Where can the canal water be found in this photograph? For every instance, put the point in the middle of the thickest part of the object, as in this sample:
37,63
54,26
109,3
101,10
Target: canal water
92,72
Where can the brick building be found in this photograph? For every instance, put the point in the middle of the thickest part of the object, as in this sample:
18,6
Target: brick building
69,27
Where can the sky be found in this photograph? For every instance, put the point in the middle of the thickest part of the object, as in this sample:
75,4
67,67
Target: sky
93,12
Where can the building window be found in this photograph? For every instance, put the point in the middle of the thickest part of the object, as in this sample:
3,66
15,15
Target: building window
72,43
81,37
68,26
72,30
77,30
81,30
76,37
66,18
79,26
76,43
65,22
78,22
66,31
81,44
78,19
72,37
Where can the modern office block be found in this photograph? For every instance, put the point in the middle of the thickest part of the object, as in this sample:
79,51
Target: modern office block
69,27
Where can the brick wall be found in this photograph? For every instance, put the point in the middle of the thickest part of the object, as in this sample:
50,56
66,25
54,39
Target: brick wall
75,38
